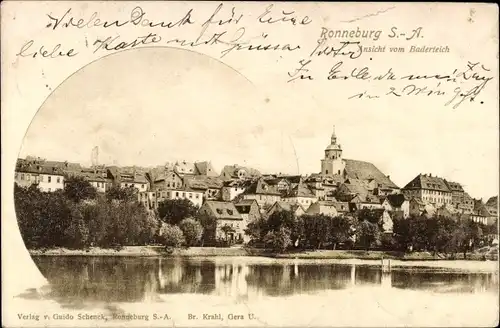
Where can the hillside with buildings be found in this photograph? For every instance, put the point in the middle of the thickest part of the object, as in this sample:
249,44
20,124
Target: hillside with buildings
241,194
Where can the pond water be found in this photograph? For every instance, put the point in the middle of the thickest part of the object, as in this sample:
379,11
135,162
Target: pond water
258,292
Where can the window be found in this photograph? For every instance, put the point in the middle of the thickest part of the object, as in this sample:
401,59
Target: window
230,212
22,176
326,171
58,180
197,196
339,171
184,195
219,211
176,194
190,195
143,186
41,178
49,179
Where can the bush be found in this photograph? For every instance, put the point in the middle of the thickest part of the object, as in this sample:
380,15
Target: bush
171,236
192,231
279,240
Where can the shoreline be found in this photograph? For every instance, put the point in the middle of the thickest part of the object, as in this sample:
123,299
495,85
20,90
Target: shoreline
159,251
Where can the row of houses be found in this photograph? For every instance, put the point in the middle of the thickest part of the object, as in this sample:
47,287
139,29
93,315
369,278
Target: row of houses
342,186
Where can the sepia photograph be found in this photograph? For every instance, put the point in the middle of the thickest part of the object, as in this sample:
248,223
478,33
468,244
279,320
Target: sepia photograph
205,164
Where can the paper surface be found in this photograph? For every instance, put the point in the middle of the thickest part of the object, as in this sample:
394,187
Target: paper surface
410,87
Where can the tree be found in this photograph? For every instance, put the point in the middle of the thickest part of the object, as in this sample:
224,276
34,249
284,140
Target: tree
78,189
209,225
316,230
367,234
171,235
192,231
340,230
119,194
173,211
279,240
370,215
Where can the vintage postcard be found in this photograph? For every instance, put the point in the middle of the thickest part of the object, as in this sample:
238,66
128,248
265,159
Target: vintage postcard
249,164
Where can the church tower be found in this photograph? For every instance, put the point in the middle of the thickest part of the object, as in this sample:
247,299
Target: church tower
332,163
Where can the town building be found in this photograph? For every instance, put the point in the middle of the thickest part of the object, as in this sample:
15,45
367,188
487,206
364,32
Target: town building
492,206
236,171
97,180
420,208
184,168
279,206
233,188
466,205
396,203
193,195
248,209
457,192
262,192
323,207
211,185
47,178
429,189
227,215
301,194
167,180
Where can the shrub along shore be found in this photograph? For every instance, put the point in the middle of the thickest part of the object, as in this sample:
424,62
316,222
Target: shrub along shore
79,221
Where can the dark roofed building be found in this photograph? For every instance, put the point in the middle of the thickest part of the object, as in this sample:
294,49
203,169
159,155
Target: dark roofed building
248,209
492,205
205,169
211,185
227,215
366,171
238,172
279,206
429,189
262,192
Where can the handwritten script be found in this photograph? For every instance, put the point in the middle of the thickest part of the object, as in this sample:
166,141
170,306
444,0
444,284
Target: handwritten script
338,55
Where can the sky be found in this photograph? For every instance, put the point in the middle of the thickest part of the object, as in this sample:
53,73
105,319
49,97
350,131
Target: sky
150,106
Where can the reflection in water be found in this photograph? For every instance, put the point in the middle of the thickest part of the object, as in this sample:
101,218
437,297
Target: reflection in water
79,282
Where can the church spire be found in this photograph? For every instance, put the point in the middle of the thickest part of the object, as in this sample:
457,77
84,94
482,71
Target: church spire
334,137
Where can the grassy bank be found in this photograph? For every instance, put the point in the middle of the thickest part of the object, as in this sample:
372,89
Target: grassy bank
236,251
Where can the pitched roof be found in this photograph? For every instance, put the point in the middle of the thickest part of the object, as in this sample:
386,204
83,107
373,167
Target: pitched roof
134,178
223,210
424,181
339,206
205,168
480,208
492,201
365,170
259,186
185,168
231,171
354,189
285,206
245,202
292,178
39,169
244,205
454,186
203,182
301,190
91,176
